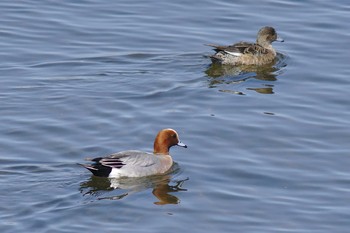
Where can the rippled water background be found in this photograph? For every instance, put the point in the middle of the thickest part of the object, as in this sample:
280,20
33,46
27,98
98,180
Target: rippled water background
268,152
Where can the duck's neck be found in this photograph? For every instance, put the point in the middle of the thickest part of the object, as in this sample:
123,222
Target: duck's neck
267,45
160,149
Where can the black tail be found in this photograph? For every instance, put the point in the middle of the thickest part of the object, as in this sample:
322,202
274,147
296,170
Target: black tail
216,59
98,169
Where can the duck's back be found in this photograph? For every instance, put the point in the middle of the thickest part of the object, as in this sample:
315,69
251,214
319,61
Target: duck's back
242,53
131,163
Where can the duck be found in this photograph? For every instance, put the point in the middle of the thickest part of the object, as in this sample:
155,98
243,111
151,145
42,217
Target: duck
245,53
134,163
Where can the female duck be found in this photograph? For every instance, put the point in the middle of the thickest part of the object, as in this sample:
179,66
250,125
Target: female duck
244,53
133,163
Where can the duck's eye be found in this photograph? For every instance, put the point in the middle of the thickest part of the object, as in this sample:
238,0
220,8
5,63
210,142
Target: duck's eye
174,135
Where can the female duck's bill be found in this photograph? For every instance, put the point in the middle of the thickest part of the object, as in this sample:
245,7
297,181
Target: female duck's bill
134,163
245,53
279,39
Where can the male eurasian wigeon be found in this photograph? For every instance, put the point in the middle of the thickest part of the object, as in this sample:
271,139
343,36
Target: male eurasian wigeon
245,53
133,163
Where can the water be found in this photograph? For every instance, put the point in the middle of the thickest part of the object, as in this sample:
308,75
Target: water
268,149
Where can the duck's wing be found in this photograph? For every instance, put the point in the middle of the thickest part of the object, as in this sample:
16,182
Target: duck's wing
249,48
237,49
230,49
135,158
240,48
102,166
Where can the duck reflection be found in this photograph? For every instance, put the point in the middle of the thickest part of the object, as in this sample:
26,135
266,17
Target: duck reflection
223,75
161,185
162,190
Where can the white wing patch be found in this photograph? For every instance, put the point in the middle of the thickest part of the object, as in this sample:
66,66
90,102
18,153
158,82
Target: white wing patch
236,54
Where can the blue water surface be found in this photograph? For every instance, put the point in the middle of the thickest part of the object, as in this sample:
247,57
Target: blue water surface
268,148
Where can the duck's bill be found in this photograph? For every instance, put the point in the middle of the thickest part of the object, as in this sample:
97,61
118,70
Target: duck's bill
280,39
182,144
